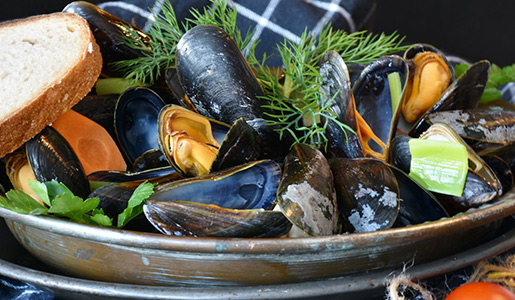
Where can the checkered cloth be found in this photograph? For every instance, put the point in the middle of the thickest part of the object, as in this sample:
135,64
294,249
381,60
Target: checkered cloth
273,20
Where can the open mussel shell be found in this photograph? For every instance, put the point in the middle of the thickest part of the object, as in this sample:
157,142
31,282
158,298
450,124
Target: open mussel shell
109,32
480,128
429,75
336,87
221,85
307,195
51,158
189,140
374,101
135,122
464,93
368,193
249,186
184,218
481,185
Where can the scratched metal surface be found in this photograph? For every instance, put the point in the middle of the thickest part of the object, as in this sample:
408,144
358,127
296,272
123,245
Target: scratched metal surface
120,256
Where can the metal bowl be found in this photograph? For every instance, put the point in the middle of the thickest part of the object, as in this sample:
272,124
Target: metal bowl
122,256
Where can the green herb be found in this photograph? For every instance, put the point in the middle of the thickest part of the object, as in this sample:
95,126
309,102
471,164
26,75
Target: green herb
135,204
159,51
497,77
296,105
63,203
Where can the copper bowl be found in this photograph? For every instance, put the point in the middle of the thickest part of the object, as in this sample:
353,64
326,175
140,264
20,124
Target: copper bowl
124,256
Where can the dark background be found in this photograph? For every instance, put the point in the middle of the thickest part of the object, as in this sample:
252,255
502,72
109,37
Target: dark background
472,29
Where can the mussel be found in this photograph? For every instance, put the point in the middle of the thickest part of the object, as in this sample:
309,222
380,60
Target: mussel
380,85
183,218
135,122
429,75
368,193
307,195
109,32
221,85
481,184
249,186
336,87
480,128
51,157
188,139
464,93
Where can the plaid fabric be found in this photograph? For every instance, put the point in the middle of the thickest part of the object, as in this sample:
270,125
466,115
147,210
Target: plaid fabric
273,20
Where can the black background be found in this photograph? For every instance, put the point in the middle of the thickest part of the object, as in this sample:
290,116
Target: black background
472,29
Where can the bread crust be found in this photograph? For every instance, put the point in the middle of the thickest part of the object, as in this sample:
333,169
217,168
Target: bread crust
57,98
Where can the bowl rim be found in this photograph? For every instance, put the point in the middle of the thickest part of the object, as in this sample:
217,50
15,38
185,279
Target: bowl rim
472,218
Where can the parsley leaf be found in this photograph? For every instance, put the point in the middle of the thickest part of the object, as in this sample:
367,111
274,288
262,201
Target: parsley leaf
20,202
135,205
63,203
497,77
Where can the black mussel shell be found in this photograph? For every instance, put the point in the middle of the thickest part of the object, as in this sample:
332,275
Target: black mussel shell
249,186
183,218
241,145
151,159
135,121
336,87
306,194
502,169
368,193
153,175
100,109
109,31
417,204
464,93
480,128
51,158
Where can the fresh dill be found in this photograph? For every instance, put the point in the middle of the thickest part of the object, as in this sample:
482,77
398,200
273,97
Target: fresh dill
291,93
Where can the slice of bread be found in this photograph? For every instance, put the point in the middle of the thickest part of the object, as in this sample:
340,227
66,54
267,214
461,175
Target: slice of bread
47,64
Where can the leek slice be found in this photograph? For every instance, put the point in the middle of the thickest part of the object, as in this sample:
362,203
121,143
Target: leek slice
394,82
439,166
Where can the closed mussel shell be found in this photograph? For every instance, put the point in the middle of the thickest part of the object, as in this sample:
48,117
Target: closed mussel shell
306,194
336,87
109,32
368,193
183,218
480,128
51,158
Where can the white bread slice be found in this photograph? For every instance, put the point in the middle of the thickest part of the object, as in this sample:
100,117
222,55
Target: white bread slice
47,64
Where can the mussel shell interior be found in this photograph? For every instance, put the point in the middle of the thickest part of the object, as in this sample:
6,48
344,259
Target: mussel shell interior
248,186
135,120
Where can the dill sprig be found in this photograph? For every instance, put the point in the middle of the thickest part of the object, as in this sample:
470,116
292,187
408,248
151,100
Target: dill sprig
298,108
159,46
291,93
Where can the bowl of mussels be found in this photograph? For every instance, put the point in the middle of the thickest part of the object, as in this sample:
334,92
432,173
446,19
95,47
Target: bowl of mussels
327,167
